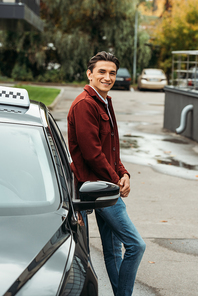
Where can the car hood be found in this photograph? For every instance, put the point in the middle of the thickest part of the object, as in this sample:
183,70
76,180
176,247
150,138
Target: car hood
22,239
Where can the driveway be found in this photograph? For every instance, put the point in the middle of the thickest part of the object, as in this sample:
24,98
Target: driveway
163,199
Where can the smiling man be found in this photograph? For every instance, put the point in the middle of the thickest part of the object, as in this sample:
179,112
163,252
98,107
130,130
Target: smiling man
94,147
102,77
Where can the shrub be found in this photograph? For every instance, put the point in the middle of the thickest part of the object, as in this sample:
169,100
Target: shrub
50,76
21,73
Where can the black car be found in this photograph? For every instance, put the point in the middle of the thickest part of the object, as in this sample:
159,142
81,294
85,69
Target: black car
44,250
123,79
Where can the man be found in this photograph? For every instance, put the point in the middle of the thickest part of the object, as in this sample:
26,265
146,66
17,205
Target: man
94,147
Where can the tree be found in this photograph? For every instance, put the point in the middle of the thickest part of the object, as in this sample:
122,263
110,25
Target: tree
81,28
177,30
22,51
78,30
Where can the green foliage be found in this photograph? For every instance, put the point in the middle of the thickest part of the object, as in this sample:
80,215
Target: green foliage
144,52
178,30
148,4
22,50
50,76
74,51
78,30
21,73
81,28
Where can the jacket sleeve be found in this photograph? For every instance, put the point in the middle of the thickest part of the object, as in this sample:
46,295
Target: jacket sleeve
86,121
122,170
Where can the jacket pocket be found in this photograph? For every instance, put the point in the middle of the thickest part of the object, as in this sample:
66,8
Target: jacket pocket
104,124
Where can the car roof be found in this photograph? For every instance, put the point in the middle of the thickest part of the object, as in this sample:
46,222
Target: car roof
21,110
123,71
153,69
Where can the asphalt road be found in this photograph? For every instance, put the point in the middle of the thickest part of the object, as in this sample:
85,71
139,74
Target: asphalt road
163,202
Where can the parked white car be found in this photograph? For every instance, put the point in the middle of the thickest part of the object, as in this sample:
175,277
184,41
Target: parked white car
152,79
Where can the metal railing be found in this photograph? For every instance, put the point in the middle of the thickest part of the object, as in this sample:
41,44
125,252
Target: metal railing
185,69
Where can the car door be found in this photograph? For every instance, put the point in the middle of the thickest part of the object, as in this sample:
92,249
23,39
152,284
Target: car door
75,277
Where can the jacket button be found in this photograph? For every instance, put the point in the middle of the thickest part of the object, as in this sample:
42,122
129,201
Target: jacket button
112,134
113,148
115,163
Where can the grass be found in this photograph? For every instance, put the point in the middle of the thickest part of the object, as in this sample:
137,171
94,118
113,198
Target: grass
46,95
5,79
80,83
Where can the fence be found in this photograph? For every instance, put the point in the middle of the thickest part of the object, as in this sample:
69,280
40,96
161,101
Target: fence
185,69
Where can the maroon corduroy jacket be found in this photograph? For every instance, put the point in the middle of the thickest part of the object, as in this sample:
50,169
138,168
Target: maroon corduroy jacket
93,141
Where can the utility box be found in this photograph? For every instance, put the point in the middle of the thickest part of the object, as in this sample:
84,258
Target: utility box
182,95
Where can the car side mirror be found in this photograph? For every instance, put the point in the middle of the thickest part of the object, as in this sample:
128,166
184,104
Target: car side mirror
97,194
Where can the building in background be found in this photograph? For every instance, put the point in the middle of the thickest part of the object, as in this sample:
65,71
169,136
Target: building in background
17,14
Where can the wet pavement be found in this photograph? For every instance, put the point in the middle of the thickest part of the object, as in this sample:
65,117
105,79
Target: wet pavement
163,202
164,153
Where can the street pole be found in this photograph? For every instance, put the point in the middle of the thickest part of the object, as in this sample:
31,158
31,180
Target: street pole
135,46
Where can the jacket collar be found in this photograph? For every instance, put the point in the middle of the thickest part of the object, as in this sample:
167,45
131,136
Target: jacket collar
92,93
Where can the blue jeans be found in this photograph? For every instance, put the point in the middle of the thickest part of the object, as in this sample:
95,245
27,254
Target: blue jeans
115,229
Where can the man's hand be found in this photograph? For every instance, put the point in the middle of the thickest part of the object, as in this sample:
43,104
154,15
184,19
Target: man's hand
80,219
124,184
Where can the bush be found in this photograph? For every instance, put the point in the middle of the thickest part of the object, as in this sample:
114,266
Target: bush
21,73
50,76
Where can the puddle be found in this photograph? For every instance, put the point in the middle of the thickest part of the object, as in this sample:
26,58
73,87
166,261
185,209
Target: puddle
177,163
164,153
129,141
176,141
132,136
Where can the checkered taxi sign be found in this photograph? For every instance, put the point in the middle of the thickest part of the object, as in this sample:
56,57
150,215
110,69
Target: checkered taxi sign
14,96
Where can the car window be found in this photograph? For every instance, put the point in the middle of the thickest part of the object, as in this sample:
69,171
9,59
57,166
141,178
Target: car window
153,72
64,156
123,72
27,177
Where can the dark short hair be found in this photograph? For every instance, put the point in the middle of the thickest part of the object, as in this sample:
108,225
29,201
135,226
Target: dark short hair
102,56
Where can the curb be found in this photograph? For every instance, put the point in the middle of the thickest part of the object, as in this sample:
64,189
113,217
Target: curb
54,103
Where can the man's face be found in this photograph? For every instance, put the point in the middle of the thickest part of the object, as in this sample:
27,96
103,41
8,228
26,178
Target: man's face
102,77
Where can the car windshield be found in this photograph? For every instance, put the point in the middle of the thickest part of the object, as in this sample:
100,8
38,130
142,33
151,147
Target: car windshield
153,72
27,177
123,72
